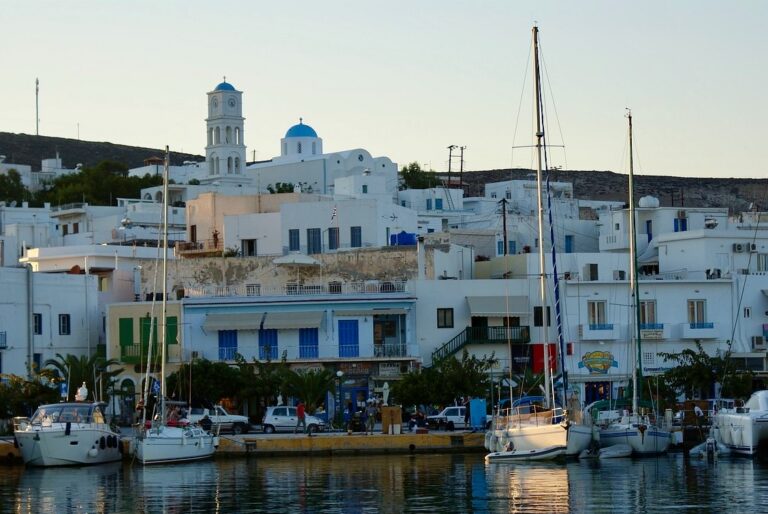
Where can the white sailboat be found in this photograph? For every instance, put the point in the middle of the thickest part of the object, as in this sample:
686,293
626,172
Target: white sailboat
743,429
161,442
524,434
634,428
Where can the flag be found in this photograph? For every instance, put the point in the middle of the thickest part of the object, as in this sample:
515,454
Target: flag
333,213
156,387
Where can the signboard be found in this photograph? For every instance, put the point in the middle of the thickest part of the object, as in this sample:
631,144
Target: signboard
389,369
652,334
598,363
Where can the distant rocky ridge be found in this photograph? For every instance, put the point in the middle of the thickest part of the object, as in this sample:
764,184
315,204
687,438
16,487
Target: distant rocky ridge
734,193
29,149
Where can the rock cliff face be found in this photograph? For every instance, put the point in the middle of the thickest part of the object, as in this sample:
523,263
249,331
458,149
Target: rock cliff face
735,193
29,149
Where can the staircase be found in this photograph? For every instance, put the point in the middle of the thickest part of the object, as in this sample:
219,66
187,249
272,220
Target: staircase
482,335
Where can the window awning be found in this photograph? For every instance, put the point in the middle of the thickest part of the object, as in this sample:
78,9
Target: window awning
231,321
370,312
497,305
288,320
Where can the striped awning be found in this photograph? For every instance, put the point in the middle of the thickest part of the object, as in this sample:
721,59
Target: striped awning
233,321
293,320
497,306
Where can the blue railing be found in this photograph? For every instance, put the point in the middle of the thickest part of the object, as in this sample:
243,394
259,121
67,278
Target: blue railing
483,335
227,353
390,350
349,350
267,352
651,326
696,326
308,352
601,326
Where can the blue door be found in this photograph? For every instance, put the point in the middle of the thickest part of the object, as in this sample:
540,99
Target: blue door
308,343
227,345
568,244
268,344
349,338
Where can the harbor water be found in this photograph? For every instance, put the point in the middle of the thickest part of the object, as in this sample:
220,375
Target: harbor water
391,484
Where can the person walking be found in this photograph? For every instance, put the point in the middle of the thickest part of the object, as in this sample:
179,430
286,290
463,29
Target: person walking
301,418
370,417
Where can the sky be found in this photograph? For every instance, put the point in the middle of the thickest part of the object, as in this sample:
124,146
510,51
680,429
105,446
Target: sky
404,78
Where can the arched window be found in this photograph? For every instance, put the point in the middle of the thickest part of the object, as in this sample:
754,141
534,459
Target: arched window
229,165
218,165
210,136
237,165
314,147
298,147
229,135
237,135
217,136
212,165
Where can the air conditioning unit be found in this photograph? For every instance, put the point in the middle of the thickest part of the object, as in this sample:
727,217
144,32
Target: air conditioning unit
752,247
195,355
758,343
738,247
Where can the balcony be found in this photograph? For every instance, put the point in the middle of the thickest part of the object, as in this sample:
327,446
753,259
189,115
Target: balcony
598,332
204,248
483,335
700,330
334,288
136,353
655,331
390,350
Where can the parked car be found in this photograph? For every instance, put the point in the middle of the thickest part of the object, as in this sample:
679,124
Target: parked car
284,418
220,419
452,418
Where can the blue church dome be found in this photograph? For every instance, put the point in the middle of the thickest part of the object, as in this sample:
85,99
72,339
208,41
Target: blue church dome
301,130
225,86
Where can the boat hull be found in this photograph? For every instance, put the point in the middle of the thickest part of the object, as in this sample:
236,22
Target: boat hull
57,446
644,440
165,444
742,433
547,453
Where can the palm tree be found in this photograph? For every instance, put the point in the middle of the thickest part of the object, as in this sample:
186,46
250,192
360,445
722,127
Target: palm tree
75,370
311,386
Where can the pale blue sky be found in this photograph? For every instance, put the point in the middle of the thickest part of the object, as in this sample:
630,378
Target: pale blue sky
402,78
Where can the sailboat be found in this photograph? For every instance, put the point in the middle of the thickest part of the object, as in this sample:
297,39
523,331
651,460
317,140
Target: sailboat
163,441
635,429
523,433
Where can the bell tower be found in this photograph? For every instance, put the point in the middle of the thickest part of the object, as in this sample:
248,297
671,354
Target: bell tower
225,149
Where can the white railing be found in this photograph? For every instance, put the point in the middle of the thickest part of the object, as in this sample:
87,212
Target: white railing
341,288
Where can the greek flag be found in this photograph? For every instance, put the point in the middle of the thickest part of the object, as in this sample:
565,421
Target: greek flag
156,386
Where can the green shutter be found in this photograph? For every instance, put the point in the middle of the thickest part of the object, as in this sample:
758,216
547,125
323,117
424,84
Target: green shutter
172,330
145,324
126,331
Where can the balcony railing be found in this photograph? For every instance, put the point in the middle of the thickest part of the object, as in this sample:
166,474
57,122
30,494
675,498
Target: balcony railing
203,246
349,350
483,335
267,352
390,350
135,353
651,326
308,352
3,340
601,326
227,353
701,326
342,288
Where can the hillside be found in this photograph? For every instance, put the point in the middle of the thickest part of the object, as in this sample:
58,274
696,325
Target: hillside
29,149
734,193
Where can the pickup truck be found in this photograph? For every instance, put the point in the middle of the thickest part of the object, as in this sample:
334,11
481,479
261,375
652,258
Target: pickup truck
451,418
220,419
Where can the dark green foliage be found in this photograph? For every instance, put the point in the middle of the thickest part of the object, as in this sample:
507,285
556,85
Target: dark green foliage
101,185
20,397
280,187
310,385
76,369
413,177
11,188
211,382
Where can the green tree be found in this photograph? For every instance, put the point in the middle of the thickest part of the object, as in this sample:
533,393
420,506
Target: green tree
208,381
311,386
413,177
20,397
11,188
78,369
280,187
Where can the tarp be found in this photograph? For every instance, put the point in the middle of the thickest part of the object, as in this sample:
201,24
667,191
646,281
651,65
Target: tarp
289,320
497,305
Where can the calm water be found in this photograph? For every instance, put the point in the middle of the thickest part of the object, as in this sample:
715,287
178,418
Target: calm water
420,483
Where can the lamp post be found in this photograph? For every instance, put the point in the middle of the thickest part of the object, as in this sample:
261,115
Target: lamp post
338,412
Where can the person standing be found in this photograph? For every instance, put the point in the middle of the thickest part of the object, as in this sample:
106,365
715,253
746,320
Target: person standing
466,412
370,417
301,418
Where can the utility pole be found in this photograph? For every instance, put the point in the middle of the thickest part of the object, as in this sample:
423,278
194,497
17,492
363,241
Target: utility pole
37,107
503,203
450,156
461,168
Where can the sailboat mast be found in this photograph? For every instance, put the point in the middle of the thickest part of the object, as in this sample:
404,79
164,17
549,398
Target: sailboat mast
635,330
163,314
542,270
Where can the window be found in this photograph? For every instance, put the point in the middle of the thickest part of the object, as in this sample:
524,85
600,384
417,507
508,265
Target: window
681,224
538,318
64,229
649,229
64,327
444,318
356,237
349,338
38,322
648,314
103,284
747,312
268,344
298,147
697,312
125,329
314,241
617,226
762,262
649,358
227,345
596,314
37,360
333,238
569,244
293,240
75,228
250,247
439,204
499,247
429,204
365,189
308,343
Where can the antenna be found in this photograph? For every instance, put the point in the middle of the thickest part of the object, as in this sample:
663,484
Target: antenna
37,107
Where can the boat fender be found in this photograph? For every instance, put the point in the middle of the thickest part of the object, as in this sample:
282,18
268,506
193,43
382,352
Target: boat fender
642,429
68,428
15,443
102,443
93,452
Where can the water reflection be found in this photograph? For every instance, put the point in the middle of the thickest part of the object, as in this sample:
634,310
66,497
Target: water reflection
401,483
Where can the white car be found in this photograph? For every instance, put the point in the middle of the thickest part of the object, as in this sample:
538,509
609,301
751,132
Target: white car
451,418
219,418
284,418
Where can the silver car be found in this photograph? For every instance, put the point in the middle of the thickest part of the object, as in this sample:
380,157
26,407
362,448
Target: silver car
282,418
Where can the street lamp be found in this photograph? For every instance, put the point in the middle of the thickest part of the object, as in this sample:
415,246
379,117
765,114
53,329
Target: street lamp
338,412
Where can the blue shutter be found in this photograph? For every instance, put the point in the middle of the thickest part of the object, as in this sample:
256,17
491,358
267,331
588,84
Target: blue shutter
349,340
227,345
268,344
568,244
500,248
308,343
